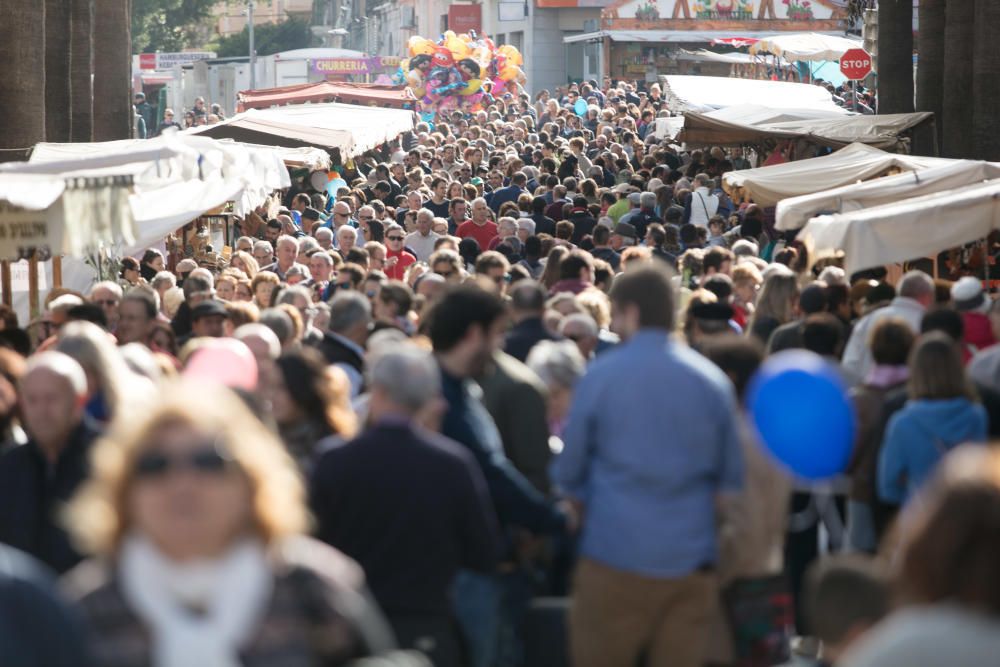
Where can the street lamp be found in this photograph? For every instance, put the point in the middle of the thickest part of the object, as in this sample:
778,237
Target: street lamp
253,51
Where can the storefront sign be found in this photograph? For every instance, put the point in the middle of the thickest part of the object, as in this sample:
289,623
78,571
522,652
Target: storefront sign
465,18
344,66
718,14
155,61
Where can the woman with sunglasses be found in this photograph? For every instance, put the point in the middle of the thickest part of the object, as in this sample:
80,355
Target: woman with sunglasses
197,515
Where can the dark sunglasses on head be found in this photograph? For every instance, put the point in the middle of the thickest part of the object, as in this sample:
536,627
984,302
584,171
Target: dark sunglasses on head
206,459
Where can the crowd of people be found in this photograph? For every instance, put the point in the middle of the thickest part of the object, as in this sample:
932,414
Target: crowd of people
146,126
485,407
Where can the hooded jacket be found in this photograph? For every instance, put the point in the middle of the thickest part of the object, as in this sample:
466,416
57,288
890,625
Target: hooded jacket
920,435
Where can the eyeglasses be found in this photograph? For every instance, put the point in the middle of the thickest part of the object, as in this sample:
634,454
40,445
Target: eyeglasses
206,460
445,274
394,238
366,219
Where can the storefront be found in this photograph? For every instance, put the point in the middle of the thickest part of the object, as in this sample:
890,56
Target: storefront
643,39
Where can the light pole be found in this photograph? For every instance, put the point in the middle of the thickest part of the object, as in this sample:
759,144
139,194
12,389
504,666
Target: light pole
253,51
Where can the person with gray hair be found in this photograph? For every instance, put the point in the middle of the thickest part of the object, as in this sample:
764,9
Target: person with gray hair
300,298
914,296
450,521
581,329
745,248
263,252
347,238
527,302
560,365
324,237
343,343
37,478
107,295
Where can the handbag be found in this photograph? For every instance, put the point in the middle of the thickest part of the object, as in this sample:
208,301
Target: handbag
761,618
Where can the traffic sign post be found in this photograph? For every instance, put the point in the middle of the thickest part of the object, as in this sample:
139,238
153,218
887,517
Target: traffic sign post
855,65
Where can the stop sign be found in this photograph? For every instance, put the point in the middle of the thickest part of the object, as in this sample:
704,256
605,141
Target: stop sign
856,64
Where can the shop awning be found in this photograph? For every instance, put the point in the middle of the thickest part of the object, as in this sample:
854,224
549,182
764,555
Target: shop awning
912,228
884,131
364,94
795,212
671,36
857,162
702,55
346,128
706,93
809,46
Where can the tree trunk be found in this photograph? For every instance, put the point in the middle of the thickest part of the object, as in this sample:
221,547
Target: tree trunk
22,84
895,56
81,65
57,92
113,112
956,132
930,69
985,89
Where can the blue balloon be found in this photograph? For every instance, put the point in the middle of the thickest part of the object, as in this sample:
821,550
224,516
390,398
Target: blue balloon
803,415
580,108
334,185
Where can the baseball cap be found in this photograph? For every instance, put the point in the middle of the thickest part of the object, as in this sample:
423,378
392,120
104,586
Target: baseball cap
967,294
625,229
208,309
475,180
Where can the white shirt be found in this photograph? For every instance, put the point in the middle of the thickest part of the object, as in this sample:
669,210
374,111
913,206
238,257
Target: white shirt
422,246
703,206
858,355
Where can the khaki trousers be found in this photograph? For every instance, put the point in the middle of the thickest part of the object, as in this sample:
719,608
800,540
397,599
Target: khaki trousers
616,617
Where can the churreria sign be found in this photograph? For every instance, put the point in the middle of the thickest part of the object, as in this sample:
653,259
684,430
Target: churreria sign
353,65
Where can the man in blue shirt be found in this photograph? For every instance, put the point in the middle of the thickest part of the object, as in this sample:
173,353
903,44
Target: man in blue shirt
650,444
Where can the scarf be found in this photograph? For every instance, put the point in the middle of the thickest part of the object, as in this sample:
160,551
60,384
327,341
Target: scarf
230,592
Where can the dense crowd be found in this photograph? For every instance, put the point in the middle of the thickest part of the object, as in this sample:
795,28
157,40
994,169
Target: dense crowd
485,406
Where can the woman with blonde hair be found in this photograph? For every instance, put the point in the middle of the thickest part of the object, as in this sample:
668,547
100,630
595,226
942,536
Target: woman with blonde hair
246,263
197,515
111,384
777,304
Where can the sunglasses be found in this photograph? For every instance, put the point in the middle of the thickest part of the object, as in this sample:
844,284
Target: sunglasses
156,465
394,238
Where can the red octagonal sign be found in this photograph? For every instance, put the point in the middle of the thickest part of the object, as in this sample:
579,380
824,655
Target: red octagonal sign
856,64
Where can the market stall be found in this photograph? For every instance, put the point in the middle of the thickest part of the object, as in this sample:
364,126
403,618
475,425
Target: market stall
707,93
363,94
828,129
347,129
795,212
904,230
857,162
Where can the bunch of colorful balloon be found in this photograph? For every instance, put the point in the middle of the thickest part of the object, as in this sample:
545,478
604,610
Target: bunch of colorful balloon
465,72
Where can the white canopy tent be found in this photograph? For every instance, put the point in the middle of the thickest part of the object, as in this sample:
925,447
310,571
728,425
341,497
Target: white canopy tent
907,229
736,58
795,212
153,187
856,162
707,93
757,114
348,128
808,46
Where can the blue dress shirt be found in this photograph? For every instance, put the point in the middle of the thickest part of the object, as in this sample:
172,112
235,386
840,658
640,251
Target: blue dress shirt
650,442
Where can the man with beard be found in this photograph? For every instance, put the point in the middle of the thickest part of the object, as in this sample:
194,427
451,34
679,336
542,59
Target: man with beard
466,328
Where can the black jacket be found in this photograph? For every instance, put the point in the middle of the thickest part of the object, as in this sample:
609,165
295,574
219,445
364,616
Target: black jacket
37,628
33,492
583,225
525,335
335,352
412,508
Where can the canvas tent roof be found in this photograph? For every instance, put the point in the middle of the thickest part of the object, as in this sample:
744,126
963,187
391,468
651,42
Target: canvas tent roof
128,195
347,128
705,93
795,212
908,229
881,131
704,55
309,157
856,162
810,46
326,91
